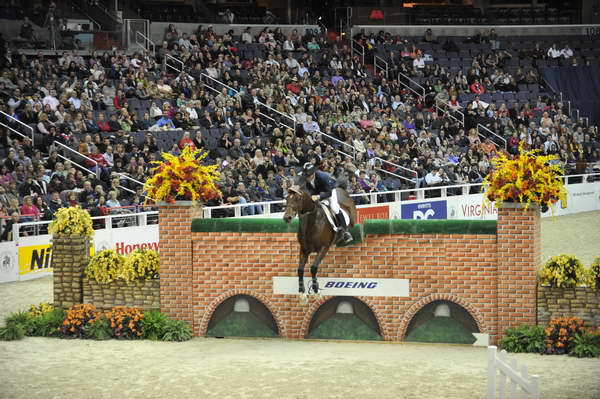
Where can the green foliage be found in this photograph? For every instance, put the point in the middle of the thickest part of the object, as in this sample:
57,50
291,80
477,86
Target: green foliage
442,329
12,332
20,318
561,333
99,330
46,324
153,325
176,330
527,339
344,326
586,344
241,324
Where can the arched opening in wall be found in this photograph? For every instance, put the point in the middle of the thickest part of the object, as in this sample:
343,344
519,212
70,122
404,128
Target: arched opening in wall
344,317
443,322
242,316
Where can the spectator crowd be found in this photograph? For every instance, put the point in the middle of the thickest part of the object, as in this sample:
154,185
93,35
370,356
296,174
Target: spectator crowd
262,105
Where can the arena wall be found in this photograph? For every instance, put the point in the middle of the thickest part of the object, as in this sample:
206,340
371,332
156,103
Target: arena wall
492,274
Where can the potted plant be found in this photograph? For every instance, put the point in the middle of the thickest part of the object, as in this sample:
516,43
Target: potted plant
71,222
527,178
594,274
183,178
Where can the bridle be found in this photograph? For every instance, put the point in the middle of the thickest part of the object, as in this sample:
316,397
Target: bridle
305,197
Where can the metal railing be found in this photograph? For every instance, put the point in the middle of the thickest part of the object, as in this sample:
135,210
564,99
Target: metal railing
396,166
277,117
125,218
96,170
145,42
166,63
27,127
139,183
448,111
380,64
16,132
340,142
358,48
408,86
502,140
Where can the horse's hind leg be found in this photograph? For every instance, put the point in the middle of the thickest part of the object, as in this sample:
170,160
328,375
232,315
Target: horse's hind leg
315,268
303,260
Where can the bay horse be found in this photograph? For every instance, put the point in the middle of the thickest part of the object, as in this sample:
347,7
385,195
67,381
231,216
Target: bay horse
315,233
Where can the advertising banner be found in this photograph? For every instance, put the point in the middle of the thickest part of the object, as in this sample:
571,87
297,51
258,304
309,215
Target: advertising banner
424,210
471,207
35,261
346,286
9,267
373,212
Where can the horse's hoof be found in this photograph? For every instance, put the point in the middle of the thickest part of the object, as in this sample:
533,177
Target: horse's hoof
303,299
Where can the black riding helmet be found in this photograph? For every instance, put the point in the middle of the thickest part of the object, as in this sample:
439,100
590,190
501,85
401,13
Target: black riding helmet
308,169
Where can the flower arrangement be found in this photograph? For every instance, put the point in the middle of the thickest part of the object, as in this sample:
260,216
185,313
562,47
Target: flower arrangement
563,271
594,274
183,177
561,333
79,318
141,264
40,310
72,221
125,322
528,178
105,266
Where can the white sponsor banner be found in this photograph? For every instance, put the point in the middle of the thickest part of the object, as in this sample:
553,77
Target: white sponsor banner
470,207
9,266
127,239
346,286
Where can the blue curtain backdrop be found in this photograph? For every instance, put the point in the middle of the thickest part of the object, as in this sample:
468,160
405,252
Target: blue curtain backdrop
580,85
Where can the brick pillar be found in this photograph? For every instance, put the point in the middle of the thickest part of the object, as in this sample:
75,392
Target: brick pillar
176,266
70,255
519,249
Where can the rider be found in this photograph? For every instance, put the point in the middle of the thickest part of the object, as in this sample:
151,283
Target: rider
323,186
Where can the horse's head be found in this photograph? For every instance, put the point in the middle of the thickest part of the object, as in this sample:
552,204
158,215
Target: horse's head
293,203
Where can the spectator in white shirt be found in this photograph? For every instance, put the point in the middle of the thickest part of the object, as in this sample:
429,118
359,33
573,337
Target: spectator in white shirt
247,36
566,52
291,62
288,45
434,177
310,126
272,62
554,52
51,100
335,64
184,42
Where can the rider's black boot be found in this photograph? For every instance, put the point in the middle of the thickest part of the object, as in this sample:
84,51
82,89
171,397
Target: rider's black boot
344,235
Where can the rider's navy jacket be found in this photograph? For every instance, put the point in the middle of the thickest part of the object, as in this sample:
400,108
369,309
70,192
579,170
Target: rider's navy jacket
324,184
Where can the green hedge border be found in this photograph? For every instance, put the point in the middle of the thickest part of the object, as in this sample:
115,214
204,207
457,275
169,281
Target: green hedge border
275,225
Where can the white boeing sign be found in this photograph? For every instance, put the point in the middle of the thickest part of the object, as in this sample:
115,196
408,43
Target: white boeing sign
345,286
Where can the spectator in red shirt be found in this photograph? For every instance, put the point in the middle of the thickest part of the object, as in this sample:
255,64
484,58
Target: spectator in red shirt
119,100
29,210
186,141
103,124
477,87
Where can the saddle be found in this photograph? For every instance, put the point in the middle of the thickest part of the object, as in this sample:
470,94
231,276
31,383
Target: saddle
331,218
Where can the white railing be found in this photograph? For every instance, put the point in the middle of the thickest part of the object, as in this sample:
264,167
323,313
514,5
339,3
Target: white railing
380,63
145,42
359,49
342,143
27,127
290,121
528,384
15,131
139,183
177,60
502,139
96,170
115,220
411,171
448,111
409,87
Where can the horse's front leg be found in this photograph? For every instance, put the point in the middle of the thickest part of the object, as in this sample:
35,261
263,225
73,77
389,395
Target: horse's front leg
303,260
315,268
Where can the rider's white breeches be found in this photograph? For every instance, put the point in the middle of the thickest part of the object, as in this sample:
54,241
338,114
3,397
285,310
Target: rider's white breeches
335,205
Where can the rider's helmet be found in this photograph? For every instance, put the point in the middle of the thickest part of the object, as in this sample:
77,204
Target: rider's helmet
308,169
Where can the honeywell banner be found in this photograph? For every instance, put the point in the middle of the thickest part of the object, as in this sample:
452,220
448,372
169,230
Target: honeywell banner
128,239
346,286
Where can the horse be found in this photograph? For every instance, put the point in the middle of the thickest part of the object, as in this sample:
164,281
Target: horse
315,233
